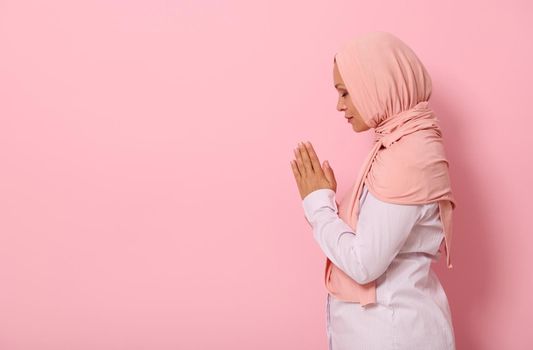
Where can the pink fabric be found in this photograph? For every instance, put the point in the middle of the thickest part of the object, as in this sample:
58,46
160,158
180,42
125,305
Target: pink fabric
390,88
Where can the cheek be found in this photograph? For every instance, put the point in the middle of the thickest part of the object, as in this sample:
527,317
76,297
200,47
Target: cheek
353,111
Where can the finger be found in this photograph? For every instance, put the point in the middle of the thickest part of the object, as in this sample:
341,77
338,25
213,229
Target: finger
306,160
300,162
295,170
312,156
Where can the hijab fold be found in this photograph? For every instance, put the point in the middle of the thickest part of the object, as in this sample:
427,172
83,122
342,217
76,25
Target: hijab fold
407,164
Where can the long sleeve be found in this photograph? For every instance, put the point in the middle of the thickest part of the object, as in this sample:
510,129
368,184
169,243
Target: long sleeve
381,231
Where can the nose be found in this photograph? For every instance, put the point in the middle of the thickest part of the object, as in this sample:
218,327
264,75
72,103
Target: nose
340,106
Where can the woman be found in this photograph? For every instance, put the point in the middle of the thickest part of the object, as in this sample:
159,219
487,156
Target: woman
381,239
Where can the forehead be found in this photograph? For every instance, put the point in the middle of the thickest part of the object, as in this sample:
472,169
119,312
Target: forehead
337,77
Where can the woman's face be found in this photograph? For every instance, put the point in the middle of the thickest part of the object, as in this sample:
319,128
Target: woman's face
345,102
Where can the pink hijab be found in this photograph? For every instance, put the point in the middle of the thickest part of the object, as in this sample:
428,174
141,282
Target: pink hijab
390,87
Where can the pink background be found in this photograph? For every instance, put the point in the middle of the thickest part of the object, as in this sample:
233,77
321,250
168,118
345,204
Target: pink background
146,195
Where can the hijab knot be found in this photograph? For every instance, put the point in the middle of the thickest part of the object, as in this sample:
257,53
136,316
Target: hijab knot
392,129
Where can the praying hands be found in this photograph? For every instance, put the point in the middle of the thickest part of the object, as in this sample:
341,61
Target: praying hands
308,172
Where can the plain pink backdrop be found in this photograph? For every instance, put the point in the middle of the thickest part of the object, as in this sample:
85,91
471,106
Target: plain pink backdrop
146,195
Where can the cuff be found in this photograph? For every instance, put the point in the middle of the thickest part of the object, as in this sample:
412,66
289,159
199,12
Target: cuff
321,198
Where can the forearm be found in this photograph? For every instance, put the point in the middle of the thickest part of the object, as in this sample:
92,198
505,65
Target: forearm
381,231
335,237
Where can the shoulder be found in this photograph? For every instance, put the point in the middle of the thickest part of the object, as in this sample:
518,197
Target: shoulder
374,203
386,210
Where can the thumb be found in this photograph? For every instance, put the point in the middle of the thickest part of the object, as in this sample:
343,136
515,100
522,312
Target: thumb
328,172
